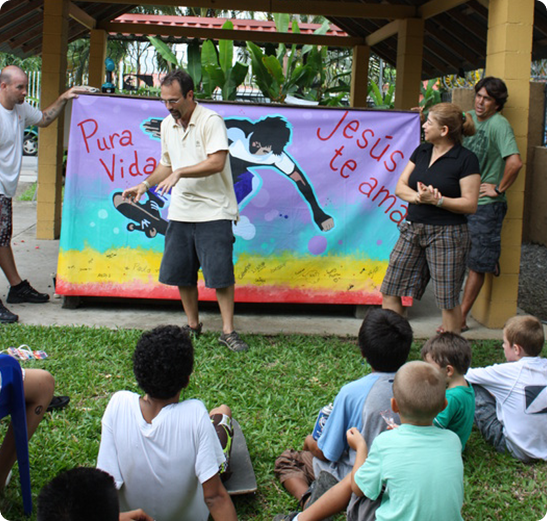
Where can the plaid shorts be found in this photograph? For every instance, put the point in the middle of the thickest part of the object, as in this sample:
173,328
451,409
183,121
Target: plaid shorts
6,220
485,232
423,252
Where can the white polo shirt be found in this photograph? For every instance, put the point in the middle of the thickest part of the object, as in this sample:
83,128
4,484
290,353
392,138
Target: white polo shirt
210,198
12,126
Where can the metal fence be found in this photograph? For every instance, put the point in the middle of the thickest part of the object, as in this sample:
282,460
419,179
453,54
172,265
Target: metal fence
33,96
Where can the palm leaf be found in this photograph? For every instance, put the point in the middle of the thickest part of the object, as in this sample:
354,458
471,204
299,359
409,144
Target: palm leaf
226,50
165,52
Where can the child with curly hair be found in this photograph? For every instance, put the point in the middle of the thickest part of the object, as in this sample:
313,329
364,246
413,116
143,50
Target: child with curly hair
164,454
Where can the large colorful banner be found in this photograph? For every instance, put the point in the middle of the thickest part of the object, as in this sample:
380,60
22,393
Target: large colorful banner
315,187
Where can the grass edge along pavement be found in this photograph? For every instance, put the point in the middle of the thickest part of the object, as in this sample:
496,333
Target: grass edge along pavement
275,391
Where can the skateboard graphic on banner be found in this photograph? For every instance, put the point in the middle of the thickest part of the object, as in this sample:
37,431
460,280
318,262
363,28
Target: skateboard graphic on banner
146,216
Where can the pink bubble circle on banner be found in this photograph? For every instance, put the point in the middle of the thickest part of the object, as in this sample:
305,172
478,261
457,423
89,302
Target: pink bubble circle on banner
317,245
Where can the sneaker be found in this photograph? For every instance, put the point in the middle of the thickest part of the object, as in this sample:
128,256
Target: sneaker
6,316
193,332
225,433
24,292
285,517
233,342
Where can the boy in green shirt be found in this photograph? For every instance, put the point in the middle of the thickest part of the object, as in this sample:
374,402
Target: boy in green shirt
451,353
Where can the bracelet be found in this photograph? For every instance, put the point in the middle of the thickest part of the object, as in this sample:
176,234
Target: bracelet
440,201
147,184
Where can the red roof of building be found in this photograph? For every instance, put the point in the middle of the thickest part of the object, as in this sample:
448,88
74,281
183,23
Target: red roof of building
195,22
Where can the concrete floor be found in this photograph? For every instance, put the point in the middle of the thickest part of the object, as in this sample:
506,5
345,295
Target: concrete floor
37,261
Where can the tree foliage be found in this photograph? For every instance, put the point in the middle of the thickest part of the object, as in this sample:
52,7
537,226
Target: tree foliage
294,71
209,66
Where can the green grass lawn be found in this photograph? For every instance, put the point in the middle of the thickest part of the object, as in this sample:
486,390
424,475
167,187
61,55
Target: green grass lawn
275,391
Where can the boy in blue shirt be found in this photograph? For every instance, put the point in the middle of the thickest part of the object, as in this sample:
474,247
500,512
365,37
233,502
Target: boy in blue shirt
384,339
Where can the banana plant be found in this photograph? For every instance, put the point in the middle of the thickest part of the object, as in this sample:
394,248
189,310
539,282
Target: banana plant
210,68
381,101
166,53
218,67
431,95
291,72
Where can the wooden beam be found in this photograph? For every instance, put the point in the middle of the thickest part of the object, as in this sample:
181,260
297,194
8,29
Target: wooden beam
34,46
15,11
443,38
228,34
446,23
480,9
342,9
474,27
80,16
387,31
435,7
21,27
441,52
540,25
26,37
311,7
359,76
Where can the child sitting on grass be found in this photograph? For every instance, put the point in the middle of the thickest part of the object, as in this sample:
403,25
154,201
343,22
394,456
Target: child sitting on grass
451,353
417,468
384,340
83,494
164,454
511,398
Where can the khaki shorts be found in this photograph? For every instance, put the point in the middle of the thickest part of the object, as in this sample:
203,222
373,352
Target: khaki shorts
295,464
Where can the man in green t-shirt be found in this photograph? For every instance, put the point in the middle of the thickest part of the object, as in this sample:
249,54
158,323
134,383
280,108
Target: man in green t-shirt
495,146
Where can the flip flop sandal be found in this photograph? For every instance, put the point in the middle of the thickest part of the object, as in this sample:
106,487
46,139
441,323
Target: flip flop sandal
58,402
23,352
306,496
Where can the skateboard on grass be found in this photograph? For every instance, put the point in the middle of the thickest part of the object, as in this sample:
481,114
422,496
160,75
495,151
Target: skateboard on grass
242,480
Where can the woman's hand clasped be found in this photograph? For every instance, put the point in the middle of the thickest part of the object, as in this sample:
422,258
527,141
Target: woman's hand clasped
428,195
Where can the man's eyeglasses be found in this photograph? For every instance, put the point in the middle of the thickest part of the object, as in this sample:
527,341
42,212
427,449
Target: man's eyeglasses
171,101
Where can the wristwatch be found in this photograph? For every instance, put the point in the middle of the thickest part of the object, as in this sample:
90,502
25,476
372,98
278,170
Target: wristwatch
497,190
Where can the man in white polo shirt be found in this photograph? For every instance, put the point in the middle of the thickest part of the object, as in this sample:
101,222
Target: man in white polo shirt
15,115
194,164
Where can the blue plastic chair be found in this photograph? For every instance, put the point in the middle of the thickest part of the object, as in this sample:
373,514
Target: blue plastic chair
12,402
